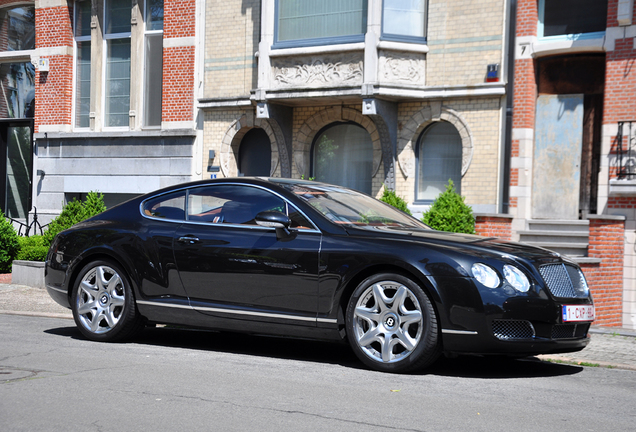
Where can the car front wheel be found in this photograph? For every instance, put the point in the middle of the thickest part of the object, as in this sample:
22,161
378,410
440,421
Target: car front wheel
391,324
103,304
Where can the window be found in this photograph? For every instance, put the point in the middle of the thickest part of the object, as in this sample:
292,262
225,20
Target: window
117,62
169,206
17,28
404,20
343,155
154,62
17,81
572,17
439,159
255,154
82,63
311,22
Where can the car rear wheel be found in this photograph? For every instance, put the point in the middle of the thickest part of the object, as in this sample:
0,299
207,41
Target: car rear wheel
391,324
103,303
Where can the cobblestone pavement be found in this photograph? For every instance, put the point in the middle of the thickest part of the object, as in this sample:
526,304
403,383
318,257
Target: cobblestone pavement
609,347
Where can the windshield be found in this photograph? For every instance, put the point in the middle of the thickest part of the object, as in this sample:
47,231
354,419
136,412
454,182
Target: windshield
348,207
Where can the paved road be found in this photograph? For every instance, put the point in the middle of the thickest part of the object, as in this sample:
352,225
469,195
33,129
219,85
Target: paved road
170,379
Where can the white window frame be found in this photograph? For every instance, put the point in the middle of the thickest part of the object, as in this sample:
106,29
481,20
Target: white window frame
77,39
145,86
106,38
406,38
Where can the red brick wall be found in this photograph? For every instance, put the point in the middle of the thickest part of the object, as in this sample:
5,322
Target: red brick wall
606,279
494,226
179,18
178,63
54,89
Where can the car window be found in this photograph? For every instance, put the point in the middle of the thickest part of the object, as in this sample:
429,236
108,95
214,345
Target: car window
170,206
231,204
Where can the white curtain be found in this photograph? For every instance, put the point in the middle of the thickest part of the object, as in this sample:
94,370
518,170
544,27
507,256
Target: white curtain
309,19
440,159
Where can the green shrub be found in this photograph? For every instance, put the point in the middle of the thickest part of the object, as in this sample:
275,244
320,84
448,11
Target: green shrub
32,248
9,245
74,212
450,213
391,198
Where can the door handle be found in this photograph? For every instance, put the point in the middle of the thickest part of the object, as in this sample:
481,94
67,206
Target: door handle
189,239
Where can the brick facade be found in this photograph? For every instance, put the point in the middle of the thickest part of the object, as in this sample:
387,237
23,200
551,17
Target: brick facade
499,226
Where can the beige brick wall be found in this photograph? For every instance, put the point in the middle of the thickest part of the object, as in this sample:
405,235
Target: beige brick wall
232,29
464,36
483,117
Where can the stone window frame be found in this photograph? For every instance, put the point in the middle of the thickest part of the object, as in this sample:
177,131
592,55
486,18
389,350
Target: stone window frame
313,125
561,37
234,135
418,122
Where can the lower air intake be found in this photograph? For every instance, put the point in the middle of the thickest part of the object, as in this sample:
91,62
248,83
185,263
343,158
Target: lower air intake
512,329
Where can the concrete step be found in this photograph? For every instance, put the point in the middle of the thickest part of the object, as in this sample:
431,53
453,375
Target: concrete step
555,236
558,225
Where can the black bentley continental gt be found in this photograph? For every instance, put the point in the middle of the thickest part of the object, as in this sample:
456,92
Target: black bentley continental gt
307,259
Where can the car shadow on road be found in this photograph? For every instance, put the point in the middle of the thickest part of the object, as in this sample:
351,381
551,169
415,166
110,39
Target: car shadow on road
489,367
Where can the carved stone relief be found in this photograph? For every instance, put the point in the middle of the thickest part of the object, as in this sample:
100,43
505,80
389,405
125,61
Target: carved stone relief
312,72
401,67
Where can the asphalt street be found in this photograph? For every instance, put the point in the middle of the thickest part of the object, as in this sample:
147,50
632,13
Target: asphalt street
52,379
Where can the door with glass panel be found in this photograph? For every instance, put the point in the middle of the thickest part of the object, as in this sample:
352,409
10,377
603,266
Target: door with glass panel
16,165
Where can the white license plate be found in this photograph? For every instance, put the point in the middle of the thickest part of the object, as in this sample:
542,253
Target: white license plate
578,313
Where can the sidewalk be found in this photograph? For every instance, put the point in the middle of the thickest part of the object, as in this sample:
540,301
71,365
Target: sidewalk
609,347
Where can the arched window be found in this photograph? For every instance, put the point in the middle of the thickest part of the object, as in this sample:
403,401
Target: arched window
439,158
255,154
342,154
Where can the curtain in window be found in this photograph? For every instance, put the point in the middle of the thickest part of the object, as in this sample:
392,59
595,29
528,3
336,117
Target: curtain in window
117,82
310,19
404,18
343,155
83,84
440,159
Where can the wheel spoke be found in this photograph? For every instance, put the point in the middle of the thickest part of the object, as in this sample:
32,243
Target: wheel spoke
369,315
87,307
387,349
110,317
97,319
117,300
407,341
398,299
381,300
112,285
89,289
409,317
373,335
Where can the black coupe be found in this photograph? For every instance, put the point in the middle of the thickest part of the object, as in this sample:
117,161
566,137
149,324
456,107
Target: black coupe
307,259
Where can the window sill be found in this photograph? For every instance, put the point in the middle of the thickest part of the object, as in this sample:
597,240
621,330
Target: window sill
421,48
551,46
83,133
285,52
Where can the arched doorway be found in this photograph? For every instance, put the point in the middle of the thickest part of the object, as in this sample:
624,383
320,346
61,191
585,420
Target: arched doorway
255,154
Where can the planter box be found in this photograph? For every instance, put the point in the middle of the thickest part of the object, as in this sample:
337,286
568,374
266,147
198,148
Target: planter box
30,273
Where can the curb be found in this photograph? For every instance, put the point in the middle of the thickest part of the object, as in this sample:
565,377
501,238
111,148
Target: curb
584,363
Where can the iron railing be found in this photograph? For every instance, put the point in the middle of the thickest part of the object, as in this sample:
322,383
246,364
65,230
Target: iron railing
28,226
625,145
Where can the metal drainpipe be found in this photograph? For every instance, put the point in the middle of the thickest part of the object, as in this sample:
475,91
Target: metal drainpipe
510,72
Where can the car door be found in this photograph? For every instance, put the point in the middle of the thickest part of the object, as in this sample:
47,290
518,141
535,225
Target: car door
233,268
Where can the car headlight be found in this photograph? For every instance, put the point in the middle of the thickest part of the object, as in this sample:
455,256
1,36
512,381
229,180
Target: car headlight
516,278
486,275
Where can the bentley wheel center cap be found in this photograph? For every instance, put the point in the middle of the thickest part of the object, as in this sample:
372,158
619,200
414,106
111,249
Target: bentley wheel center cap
390,321
103,299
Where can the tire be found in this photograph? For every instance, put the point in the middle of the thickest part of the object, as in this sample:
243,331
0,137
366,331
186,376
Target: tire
103,303
391,324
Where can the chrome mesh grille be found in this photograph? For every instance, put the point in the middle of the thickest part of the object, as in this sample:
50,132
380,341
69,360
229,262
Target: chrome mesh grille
564,281
512,329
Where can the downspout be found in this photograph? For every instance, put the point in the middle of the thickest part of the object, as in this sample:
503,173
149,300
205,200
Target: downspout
510,76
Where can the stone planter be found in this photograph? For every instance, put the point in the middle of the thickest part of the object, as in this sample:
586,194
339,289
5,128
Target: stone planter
30,273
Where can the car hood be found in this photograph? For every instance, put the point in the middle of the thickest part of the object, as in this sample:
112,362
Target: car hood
467,243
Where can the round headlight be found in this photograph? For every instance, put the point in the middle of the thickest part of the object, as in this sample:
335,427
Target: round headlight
486,275
516,278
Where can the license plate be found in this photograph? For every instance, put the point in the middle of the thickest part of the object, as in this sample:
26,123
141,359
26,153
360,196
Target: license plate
578,313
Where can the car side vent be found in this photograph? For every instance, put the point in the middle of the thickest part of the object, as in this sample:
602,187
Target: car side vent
513,329
564,281
569,331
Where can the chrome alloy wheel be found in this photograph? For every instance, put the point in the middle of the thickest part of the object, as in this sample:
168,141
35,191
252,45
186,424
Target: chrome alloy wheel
388,322
100,299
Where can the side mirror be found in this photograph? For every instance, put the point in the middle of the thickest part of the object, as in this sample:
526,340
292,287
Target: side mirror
274,219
